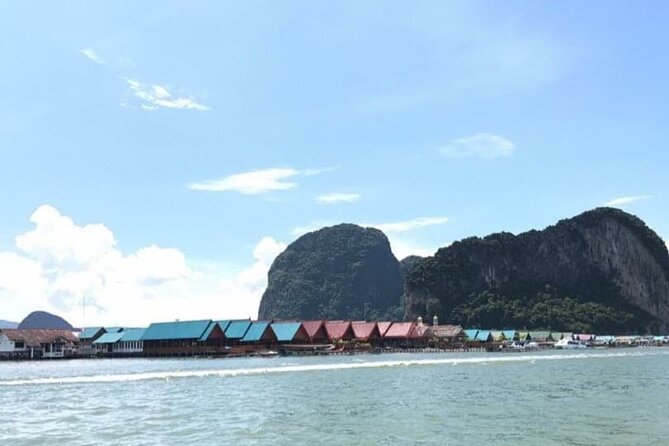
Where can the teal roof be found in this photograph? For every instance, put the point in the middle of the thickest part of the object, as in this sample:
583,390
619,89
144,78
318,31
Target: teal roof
90,332
113,329
285,331
471,333
132,334
160,331
482,335
223,325
509,334
108,338
255,331
237,329
208,331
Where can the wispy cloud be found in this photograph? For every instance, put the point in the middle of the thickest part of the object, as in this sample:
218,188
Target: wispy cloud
256,182
91,54
622,201
388,228
409,225
154,96
338,197
481,145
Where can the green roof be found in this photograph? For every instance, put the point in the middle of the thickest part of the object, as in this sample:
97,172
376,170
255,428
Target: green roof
285,331
237,329
556,335
90,332
539,335
108,338
255,331
160,331
132,334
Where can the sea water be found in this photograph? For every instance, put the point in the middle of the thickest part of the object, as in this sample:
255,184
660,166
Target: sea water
596,397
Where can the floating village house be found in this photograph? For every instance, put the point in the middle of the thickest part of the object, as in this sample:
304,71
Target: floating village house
316,331
127,342
338,331
259,336
34,344
446,335
290,333
366,332
183,338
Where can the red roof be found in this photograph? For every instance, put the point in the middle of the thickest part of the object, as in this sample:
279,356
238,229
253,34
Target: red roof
315,330
339,330
33,338
383,327
401,330
364,331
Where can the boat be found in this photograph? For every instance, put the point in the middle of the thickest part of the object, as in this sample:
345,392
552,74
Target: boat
569,344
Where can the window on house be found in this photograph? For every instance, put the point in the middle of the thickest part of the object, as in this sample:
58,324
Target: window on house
19,344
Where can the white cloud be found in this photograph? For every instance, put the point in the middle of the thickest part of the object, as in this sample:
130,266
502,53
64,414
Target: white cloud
152,97
409,225
93,55
255,182
481,145
58,264
338,197
621,201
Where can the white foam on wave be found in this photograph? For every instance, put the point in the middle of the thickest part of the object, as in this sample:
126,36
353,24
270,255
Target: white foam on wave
129,377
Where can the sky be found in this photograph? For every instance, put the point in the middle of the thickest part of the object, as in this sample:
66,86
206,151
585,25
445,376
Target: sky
157,156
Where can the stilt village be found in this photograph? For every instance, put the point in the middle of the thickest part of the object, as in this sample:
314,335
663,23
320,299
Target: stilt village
236,338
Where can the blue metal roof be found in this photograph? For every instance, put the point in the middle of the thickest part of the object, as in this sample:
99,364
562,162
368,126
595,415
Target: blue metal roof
108,338
160,331
471,333
482,335
509,334
90,332
132,334
255,332
208,331
237,329
285,331
113,329
223,325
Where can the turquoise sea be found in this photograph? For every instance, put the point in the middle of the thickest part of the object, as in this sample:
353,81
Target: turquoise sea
596,397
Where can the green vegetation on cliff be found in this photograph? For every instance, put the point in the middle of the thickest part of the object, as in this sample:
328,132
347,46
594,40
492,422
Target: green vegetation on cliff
603,270
343,271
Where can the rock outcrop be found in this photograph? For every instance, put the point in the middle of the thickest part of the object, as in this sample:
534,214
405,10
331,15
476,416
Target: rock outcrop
41,320
339,272
603,270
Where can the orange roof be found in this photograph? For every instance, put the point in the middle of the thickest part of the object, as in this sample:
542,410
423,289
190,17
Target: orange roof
33,338
364,331
338,330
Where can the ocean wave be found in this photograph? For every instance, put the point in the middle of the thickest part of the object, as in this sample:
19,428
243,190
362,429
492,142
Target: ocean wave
166,375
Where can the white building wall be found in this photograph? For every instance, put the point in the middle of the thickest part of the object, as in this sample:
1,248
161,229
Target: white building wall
6,346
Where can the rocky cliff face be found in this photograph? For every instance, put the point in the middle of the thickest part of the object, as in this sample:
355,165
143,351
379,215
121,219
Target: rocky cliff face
604,263
343,271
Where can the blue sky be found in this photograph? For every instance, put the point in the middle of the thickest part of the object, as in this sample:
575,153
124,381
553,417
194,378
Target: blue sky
195,134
